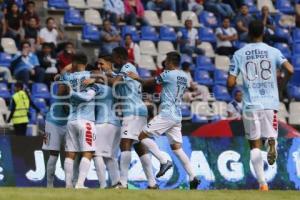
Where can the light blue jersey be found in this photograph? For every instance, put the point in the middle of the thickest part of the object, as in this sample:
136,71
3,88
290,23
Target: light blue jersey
130,94
258,64
174,84
104,100
75,79
58,112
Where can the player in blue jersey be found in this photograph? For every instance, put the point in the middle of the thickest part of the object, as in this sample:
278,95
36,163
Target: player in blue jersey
258,65
168,121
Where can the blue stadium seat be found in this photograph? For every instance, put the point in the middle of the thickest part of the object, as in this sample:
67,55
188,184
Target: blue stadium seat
294,92
295,79
188,59
252,7
40,90
284,48
5,59
149,33
221,93
4,92
207,35
240,44
202,77
132,31
199,119
220,77
144,73
296,35
204,63
41,104
296,49
12,88
296,62
284,33
185,110
73,17
167,33
32,116
90,33
285,6
208,19
58,4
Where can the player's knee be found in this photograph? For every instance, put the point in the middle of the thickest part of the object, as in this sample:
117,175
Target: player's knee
255,144
88,155
176,146
142,136
140,149
54,153
71,155
125,144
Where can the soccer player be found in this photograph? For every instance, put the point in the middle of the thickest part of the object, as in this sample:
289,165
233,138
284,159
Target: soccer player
168,121
80,136
258,64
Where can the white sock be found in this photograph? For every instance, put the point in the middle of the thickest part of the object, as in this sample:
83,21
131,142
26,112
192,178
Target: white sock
185,162
51,170
84,168
124,165
258,165
154,149
147,166
68,165
76,169
100,170
112,167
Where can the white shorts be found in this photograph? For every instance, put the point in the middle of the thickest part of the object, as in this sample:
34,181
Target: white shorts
54,137
159,125
132,126
107,140
260,124
80,136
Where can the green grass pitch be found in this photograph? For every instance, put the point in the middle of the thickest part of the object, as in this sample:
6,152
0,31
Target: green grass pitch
97,194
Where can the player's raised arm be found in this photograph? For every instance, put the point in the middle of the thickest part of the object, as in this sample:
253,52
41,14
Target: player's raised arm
84,96
144,82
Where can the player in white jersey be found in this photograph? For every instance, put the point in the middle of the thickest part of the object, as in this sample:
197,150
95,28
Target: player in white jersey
174,82
258,65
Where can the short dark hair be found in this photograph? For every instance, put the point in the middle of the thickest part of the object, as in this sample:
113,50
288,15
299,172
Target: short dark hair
106,57
25,42
30,2
121,52
48,19
226,17
19,85
256,29
128,34
47,44
80,58
174,58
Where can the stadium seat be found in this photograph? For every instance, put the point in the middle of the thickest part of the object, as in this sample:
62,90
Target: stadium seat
294,116
202,77
5,59
96,4
3,107
149,33
220,108
40,90
90,33
220,77
296,62
188,59
284,48
207,35
296,35
208,49
169,18
286,21
240,44
293,92
190,15
132,31
221,93
92,16
167,33
205,93
185,110
160,58
204,63
147,62
148,48
222,62
251,5
9,45
285,6
58,4
73,17
296,49
165,47
80,4
295,79
208,19
201,108
4,92
269,3
41,104
152,18
32,116
282,113
144,73
283,33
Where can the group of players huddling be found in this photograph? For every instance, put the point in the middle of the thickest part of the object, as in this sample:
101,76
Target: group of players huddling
83,115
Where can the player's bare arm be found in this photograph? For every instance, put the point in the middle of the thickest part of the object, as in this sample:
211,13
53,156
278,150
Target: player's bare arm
231,81
144,82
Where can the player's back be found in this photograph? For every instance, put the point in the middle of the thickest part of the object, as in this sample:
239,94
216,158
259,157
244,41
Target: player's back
75,79
258,64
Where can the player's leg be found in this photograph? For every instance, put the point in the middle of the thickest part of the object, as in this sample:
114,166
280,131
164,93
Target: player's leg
147,165
100,170
51,164
112,167
68,167
125,159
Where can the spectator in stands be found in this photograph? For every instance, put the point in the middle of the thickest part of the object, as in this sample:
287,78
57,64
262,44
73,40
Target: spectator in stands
13,23
133,49
242,21
226,36
32,32
161,5
114,10
65,57
196,6
51,33
219,8
25,64
234,108
134,11
110,37
29,13
2,24
188,39
48,61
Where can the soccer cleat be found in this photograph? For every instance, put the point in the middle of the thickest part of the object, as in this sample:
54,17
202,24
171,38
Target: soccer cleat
164,168
80,187
264,188
194,183
272,152
155,187
119,186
